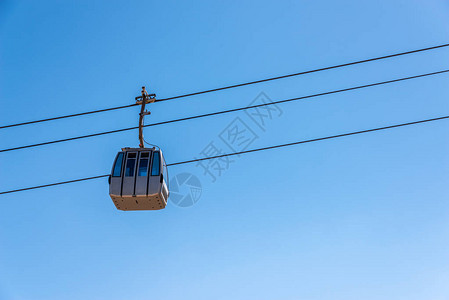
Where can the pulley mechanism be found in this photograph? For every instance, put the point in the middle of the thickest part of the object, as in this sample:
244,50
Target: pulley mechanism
142,100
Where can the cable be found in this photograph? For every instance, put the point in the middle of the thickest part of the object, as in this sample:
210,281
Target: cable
53,184
305,72
149,144
227,111
311,141
248,151
234,86
67,116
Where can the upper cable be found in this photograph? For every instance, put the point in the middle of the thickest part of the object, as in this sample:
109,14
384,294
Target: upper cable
234,85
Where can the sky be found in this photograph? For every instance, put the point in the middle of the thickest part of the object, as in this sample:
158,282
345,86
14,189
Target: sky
361,217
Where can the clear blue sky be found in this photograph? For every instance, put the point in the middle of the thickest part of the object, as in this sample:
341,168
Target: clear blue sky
363,217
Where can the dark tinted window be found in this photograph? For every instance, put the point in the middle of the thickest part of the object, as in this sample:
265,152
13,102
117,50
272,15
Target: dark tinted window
143,165
130,165
155,168
118,165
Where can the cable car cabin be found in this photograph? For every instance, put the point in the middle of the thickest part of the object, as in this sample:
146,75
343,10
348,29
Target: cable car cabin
137,180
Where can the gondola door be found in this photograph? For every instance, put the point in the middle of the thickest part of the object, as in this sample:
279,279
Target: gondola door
128,188
142,174
115,183
155,173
